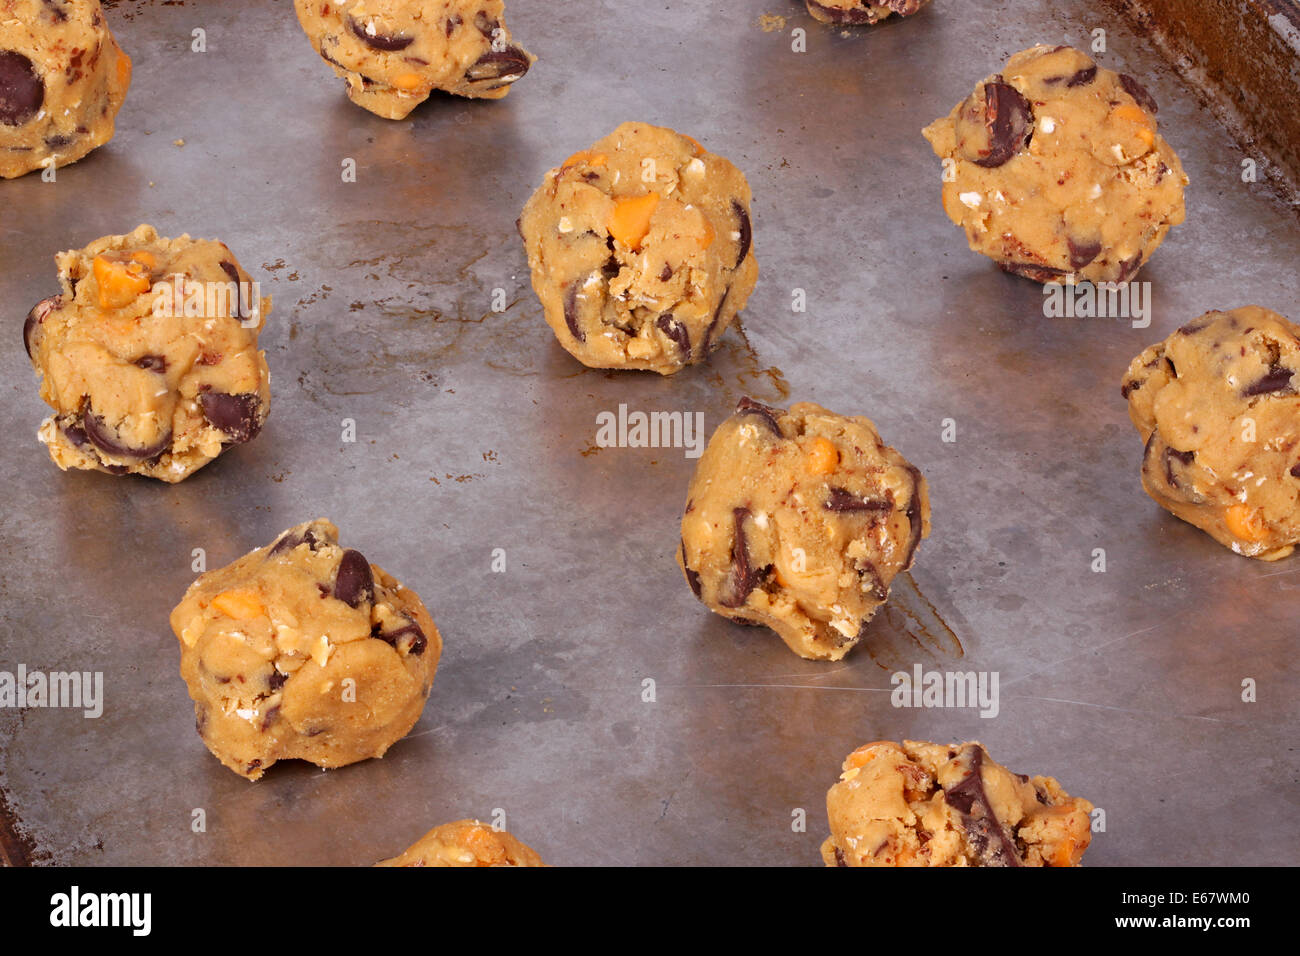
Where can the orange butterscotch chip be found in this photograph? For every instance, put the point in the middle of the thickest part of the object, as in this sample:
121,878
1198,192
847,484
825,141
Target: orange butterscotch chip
630,219
120,283
585,157
242,605
823,458
409,82
705,239
861,757
1246,523
1135,114
1067,854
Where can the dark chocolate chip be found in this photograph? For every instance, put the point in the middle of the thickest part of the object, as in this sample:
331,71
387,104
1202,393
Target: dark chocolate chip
271,717
21,90
842,500
508,64
665,275
1129,387
1129,267
154,363
1083,251
252,766
1139,92
354,583
238,417
693,577
1173,455
870,571
417,641
744,576
839,857
290,540
230,269
747,406
1008,122
276,680
1033,270
1295,470
75,433
676,331
486,25
746,231
914,523
1277,379
715,322
377,40
571,312
984,831
611,268
103,437
452,23
36,316
1083,77
59,140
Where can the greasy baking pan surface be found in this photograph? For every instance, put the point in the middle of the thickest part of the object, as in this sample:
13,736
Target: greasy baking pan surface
475,431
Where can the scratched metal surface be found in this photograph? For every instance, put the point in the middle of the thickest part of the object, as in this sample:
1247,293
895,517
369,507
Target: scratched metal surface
477,432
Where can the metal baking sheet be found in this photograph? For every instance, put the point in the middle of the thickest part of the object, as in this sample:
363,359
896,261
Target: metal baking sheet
475,431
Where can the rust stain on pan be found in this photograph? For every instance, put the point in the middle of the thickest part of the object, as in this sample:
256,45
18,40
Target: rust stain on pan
16,848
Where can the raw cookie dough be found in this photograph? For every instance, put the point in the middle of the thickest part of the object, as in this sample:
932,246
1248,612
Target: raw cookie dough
394,53
1055,170
861,11
149,356
641,249
62,80
1218,407
799,520
923,804
466,843
303,650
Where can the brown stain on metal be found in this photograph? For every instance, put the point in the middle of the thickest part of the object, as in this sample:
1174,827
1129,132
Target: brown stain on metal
1241,60
16,847
759,370
756,378
909,622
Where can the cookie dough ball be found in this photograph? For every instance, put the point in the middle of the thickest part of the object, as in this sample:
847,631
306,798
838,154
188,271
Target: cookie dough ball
1055,170
861,11
466,843
62,80
923,804
303,650
1218,407
799,520
149,356
641,249
394,53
